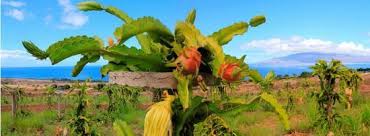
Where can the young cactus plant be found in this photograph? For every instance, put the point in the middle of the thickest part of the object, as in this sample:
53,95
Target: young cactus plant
349,83
265,83
329,73
161,50
185,52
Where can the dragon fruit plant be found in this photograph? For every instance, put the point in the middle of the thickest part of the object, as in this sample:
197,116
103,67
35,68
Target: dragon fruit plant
186,52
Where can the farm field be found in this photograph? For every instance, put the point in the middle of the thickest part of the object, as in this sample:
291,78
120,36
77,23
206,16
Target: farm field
185,68
38,114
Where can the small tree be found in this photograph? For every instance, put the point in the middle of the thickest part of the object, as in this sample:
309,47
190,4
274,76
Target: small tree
290,102
50,92
328,74
350,84
80,124
305,74
120,96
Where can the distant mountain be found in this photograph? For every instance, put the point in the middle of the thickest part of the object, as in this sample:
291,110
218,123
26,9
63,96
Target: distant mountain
309,58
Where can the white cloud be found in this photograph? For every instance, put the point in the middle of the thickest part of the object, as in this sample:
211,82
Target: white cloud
71,17
14,10
297,44
15,54
19,58
16,14
14,3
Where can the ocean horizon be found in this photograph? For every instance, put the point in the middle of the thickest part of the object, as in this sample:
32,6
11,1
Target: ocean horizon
93,72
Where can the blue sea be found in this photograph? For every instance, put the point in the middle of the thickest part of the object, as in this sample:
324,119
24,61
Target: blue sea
57,73
93,72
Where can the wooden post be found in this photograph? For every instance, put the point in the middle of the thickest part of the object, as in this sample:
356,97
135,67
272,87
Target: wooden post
14,103
59,99
59,103
65,103
156,94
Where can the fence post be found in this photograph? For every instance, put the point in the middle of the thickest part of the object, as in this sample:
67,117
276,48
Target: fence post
156,94
59,99
14,103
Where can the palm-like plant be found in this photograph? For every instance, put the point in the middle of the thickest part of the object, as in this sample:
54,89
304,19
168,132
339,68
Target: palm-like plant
50,92
350,83
80,123
328,74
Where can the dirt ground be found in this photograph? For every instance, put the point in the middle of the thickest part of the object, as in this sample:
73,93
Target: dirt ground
37,87
248,87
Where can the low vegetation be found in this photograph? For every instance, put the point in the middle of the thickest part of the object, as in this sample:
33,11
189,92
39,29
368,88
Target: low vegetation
254,119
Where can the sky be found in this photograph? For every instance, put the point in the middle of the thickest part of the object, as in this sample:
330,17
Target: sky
292,26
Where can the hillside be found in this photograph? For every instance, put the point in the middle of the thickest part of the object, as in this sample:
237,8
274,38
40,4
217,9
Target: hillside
309,58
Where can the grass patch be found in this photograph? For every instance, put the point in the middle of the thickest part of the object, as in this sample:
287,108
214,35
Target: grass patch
29,124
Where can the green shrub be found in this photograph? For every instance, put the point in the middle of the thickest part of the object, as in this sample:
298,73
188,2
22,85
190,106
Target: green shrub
120,96
4,100
350,125
80,122
366,115
213,125
311,111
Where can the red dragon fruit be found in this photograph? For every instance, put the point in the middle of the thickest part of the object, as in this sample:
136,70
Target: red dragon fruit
189,60
230,72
